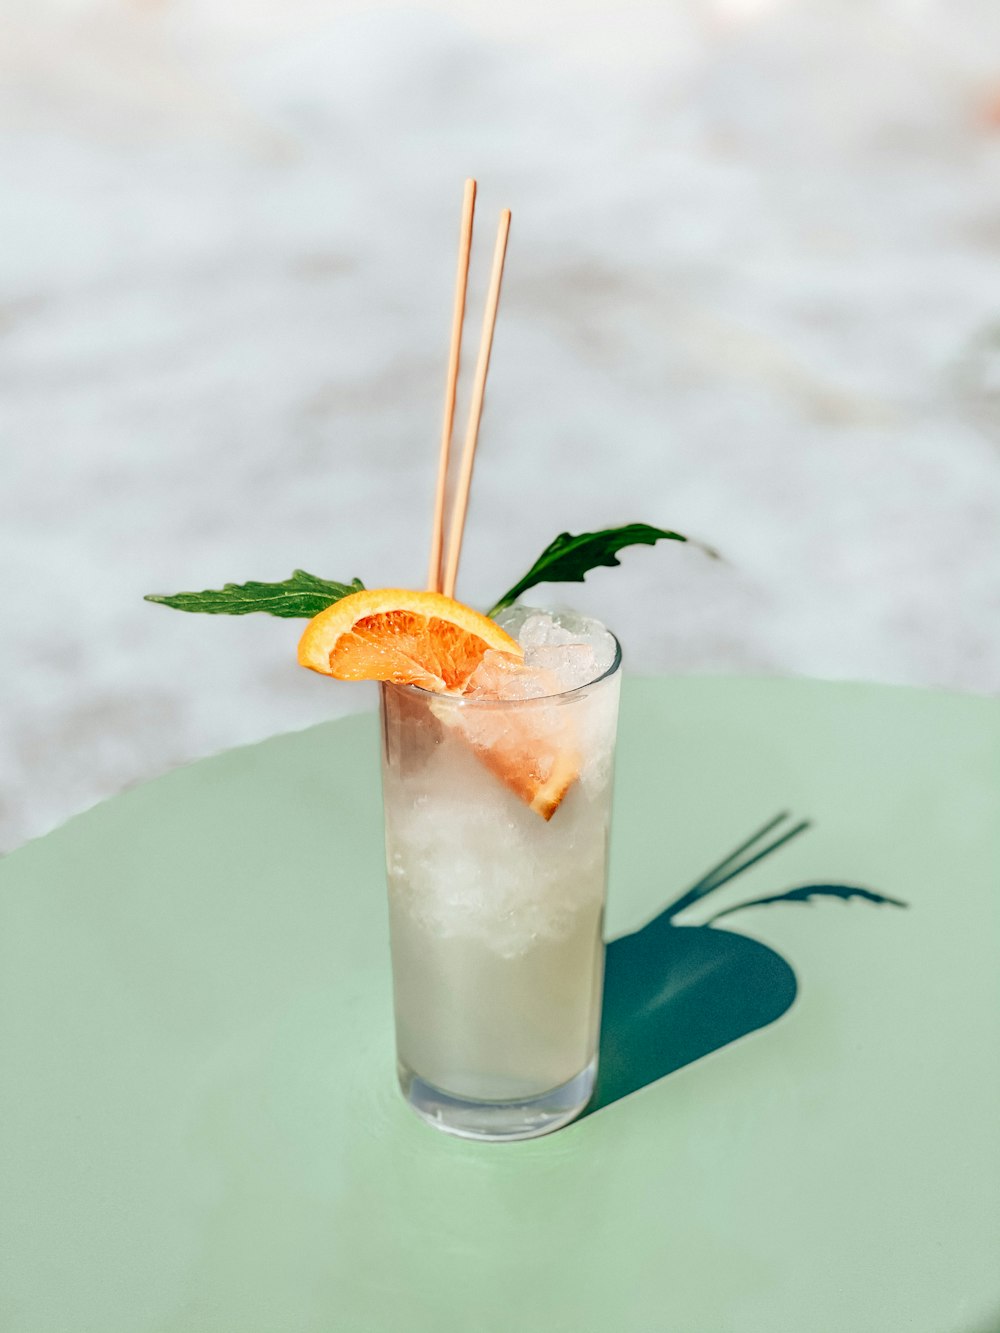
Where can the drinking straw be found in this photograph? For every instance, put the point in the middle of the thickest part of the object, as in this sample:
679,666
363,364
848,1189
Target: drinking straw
434,567
461,502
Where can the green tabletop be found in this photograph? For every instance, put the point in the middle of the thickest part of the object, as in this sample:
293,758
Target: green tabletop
800,1128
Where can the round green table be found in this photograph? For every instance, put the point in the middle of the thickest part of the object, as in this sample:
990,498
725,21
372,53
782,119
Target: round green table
800,1127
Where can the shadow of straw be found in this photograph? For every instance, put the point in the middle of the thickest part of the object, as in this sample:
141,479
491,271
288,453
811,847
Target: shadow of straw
673,993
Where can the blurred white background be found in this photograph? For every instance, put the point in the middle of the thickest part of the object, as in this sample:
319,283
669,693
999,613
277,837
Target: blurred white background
752,292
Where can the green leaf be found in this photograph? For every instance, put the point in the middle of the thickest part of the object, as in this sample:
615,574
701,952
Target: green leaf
568,559
303,595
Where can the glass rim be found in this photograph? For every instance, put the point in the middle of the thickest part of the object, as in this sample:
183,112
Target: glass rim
470,701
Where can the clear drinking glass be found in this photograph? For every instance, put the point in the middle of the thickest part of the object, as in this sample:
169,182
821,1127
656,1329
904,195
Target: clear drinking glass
496,912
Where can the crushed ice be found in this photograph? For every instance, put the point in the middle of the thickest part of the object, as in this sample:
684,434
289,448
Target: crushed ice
562,651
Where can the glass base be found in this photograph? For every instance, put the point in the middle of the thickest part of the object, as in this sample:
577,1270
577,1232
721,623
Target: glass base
498,1122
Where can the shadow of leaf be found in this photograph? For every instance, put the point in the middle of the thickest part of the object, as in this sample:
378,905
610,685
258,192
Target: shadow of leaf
807,892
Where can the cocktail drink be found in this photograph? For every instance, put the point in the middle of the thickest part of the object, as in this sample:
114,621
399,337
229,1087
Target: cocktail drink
498,746
497,808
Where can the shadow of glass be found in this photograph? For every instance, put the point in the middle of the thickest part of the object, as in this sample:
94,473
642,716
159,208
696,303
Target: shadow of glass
674,993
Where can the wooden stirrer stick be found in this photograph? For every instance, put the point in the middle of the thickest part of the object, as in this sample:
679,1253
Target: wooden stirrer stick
461,505
434,567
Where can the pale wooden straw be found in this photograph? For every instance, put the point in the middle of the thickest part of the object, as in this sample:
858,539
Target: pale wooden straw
434,566
461,504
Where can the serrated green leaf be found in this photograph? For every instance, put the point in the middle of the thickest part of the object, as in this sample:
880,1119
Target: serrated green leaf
300,597
569,559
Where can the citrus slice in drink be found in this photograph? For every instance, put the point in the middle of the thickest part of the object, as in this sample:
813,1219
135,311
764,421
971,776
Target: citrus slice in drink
517,730
533,753
403,636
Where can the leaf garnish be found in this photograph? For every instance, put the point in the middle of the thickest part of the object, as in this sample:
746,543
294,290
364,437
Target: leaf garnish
569,558
300,597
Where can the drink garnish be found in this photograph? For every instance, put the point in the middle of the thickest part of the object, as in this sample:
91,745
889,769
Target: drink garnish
428,638
567,559
409,638
301,596
533,751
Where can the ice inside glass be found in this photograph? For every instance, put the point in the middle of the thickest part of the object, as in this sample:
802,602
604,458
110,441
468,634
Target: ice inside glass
497,806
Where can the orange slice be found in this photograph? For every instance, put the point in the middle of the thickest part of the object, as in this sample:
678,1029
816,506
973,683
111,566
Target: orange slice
536,758
407,637
532,748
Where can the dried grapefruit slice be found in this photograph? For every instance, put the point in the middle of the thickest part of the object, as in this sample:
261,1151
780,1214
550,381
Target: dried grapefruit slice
407,637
